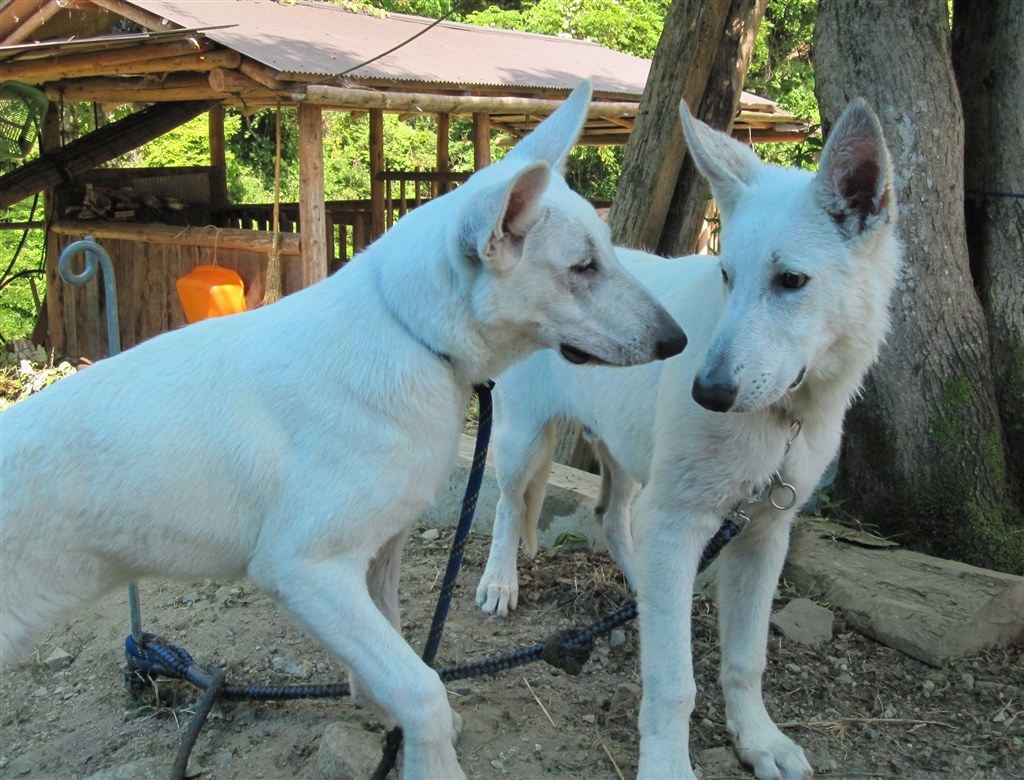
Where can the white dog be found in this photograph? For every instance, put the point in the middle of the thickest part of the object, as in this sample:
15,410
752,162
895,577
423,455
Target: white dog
296,443
782,328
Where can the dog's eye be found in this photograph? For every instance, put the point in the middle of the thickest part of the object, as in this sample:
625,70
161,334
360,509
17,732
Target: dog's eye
725,276
792,280
587,266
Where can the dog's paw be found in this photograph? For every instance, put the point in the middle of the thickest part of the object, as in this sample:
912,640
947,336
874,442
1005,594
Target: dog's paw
497,596
774,757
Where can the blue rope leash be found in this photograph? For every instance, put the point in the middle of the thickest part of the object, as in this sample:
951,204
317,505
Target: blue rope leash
568,649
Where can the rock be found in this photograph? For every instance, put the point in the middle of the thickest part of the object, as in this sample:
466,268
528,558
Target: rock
430,534
804,622
58,659
20,767
718,762
348,752
616,639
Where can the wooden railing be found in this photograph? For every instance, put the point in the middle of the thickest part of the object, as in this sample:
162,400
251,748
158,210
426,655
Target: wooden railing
348,224
405,190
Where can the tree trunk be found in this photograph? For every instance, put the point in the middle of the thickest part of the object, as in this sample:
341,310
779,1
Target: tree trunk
718,107
655,151
702,58
923,455
989,61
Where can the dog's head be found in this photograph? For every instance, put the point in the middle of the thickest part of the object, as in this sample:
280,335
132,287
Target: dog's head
809,262
540,263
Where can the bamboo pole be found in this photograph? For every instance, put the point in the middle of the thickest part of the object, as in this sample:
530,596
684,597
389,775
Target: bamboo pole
348,97
257,241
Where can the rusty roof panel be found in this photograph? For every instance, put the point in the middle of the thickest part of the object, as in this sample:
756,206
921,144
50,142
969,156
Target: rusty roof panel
318,39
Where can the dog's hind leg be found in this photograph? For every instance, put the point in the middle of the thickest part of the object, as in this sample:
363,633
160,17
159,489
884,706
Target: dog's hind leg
329,598
523,466
749,569
618,491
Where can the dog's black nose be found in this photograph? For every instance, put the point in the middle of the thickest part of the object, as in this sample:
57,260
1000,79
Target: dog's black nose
672,340
714,396
668,347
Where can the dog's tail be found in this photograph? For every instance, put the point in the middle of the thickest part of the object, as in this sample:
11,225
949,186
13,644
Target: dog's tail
537,488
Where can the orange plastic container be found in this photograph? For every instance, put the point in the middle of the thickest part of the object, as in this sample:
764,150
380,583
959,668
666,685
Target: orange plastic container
210,291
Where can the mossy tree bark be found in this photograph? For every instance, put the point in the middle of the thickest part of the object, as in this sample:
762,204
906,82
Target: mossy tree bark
924,454
988,58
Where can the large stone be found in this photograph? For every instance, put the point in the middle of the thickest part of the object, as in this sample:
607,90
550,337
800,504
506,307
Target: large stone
929,608
348,752
804,622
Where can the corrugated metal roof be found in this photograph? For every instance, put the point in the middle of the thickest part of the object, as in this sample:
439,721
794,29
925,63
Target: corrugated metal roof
311,39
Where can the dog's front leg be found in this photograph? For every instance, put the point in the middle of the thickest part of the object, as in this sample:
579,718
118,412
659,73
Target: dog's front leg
668,549
329,598
749,569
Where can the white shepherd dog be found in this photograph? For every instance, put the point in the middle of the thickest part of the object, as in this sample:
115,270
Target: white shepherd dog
782,327
295,444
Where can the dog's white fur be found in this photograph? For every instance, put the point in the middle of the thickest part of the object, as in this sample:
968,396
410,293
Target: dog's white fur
296,443
782,327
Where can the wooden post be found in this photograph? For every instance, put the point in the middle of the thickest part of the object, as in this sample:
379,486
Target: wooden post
218,159
376,169
53,303
312,211
481,140
443,163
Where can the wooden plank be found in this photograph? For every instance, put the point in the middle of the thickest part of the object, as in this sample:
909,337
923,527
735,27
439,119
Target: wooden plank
312,210
209,237
930,608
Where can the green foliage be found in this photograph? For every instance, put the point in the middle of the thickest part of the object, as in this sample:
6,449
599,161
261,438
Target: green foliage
630,26
781,70
21,277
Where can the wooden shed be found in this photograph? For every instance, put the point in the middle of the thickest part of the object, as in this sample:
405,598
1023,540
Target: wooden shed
186,57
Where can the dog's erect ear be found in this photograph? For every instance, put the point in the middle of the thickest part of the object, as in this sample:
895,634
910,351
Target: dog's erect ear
854,181
728,165
495,221
555,136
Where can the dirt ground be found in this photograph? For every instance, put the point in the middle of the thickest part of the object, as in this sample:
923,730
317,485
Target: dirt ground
860,709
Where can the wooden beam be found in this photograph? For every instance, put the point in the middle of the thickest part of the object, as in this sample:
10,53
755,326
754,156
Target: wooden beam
259,241
312,211
377,184
233,81
261,74
481,141
97,148
347,97
142,59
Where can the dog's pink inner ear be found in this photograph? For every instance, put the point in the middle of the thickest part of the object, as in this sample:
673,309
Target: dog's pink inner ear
859,186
